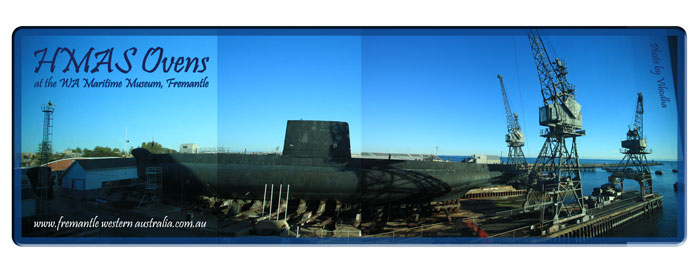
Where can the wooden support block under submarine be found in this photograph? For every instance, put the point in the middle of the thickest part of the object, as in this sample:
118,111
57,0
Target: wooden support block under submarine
316,163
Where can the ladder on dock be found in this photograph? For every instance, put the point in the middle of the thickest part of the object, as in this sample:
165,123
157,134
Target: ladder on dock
153,187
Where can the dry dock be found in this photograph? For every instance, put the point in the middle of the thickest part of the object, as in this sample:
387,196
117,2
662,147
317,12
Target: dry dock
496,213
600,220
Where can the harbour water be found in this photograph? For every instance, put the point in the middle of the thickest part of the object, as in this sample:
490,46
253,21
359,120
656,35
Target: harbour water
663,223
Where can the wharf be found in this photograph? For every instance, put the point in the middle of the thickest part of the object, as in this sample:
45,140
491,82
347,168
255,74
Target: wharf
599,220
589,167
498,214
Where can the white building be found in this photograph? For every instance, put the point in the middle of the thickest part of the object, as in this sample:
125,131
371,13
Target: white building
486,159
189,148
88,174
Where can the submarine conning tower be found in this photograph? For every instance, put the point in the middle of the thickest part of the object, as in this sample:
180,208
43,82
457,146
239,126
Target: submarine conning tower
317,139
303,139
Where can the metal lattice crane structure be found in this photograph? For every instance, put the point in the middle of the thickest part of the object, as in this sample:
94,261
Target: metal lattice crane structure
634,163
515,138
554,182
45,148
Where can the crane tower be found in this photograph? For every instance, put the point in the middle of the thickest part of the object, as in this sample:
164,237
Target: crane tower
45,148
515,138
634,163
554,182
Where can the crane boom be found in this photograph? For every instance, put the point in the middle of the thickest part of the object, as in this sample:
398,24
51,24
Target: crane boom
510,119
514,138
639,115
552,74
561,113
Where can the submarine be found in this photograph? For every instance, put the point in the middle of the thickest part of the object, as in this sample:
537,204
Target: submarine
316,164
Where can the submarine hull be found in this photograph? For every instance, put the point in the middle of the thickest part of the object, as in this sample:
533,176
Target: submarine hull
316,164
187,176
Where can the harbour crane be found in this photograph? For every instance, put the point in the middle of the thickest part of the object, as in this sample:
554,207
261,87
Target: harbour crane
554,182
634,163
515,138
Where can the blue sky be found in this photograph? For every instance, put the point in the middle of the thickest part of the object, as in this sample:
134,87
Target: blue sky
399,93
88,117
443,91
267,80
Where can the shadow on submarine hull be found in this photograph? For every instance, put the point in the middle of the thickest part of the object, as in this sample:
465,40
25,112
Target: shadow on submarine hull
317,165
187,176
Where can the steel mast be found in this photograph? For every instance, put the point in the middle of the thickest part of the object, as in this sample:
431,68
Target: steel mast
554,183
46,147
515,138
634,163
